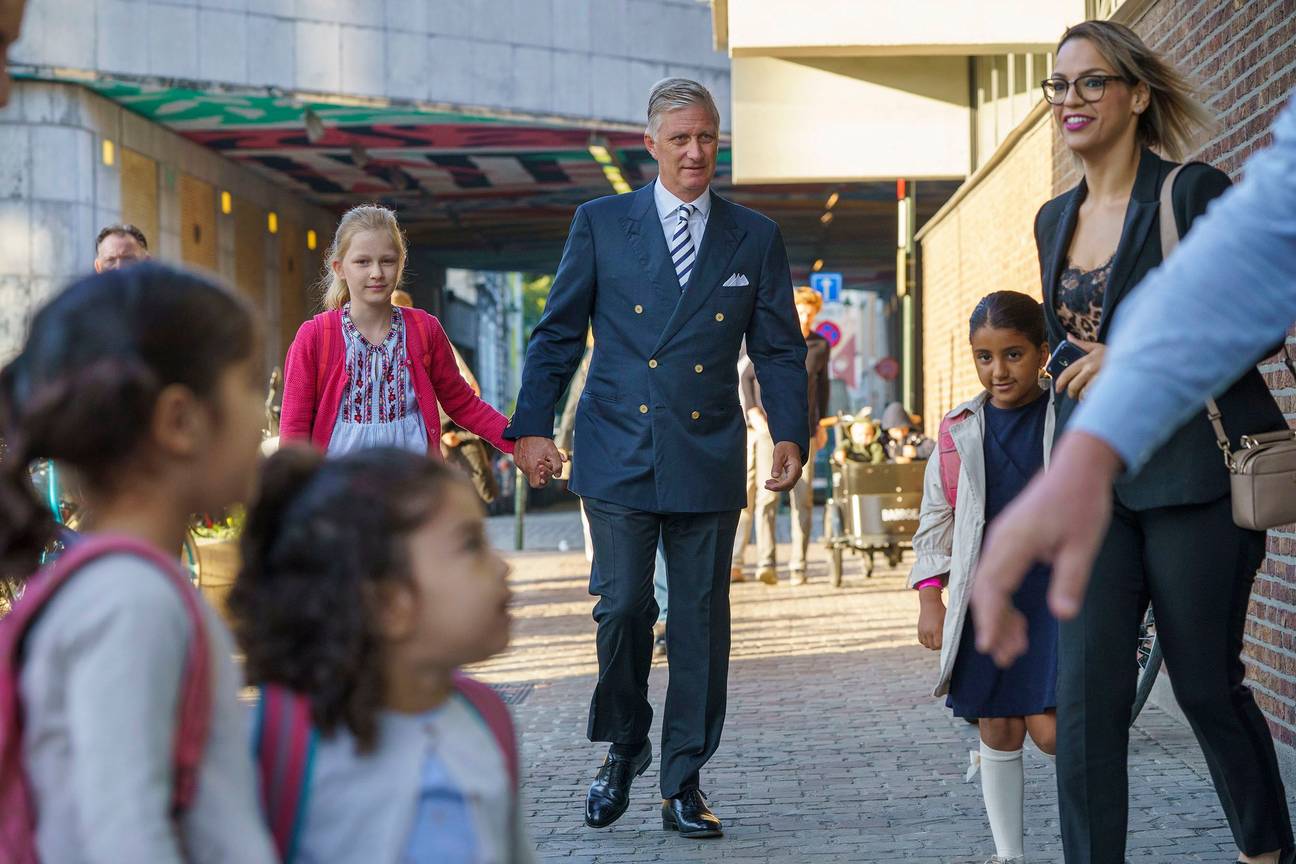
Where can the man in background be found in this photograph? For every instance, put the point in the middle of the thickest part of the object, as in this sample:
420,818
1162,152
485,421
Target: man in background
120,245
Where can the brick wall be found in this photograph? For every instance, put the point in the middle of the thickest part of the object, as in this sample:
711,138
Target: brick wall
984,243
1243,54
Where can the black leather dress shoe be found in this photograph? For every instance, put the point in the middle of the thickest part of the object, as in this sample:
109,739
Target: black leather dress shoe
609,794
690,816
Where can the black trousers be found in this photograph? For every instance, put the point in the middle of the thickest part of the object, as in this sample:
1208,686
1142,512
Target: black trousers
1196,567
698,548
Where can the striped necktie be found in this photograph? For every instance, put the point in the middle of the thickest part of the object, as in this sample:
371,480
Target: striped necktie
682,252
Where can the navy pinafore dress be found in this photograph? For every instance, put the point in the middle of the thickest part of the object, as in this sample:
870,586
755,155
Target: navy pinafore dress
1014,452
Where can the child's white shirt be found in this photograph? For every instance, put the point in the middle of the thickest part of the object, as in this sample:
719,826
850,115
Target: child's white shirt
362,807
100,683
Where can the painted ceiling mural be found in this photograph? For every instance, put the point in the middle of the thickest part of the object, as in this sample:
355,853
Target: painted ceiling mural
494,192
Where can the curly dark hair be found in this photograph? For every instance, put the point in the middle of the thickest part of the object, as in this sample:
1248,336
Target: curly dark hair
83,389
320,537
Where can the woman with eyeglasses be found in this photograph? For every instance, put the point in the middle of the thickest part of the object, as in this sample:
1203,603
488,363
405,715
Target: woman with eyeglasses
1172,539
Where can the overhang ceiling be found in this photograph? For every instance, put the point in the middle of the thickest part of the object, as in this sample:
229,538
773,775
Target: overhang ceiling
497,192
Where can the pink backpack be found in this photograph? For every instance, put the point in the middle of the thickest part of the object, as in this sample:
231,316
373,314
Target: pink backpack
285,741
17,810
950,462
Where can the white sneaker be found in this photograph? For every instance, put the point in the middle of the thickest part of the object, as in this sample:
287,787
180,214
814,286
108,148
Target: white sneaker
995,859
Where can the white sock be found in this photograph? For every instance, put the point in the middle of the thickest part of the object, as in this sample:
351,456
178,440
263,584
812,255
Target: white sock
1003,786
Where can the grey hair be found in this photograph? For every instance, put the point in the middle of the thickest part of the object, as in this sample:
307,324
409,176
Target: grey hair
672,94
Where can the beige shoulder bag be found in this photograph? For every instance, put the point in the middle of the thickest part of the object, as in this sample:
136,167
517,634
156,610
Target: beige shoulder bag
1263,472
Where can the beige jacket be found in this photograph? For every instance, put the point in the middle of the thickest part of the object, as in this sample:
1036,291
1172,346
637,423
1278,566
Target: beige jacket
948,541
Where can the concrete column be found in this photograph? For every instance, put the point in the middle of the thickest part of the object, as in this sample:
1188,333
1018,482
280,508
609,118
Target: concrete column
49,188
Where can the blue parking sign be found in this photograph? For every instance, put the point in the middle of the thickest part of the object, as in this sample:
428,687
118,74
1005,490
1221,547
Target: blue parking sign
827,284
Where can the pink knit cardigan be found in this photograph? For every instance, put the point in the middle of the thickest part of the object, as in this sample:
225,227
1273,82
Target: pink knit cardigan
314,384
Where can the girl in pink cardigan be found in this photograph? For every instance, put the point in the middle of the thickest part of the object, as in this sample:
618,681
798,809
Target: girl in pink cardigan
365,373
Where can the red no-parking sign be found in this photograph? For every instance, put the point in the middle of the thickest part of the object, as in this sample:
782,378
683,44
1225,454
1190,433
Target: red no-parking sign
829,331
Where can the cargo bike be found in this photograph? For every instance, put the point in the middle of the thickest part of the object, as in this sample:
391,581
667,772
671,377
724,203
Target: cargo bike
872,508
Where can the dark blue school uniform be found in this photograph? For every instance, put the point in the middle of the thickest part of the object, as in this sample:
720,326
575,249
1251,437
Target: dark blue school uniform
1014,452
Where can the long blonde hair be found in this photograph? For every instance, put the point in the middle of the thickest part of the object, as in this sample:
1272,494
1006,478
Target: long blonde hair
365,217
1175,118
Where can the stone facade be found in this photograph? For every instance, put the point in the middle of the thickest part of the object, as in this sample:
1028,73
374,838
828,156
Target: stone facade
566,58
57,191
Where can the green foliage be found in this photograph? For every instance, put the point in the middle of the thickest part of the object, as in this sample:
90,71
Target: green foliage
535,293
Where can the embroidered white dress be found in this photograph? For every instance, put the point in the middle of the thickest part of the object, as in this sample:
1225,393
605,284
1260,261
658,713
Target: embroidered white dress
379,407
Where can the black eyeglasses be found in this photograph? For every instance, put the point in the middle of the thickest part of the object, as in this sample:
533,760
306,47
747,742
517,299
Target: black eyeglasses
1090,87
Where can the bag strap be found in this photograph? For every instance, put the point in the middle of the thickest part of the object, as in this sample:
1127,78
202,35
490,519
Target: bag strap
487,703
1169,241
285,742
324,351
422,326
194,713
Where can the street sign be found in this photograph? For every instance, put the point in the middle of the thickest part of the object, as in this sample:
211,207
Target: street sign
888,368
827,284
829,331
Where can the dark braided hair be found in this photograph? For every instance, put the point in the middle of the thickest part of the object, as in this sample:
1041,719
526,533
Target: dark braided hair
1010,310
83,389
320,538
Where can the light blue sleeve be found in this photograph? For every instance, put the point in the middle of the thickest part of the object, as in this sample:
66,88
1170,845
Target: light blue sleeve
1196,323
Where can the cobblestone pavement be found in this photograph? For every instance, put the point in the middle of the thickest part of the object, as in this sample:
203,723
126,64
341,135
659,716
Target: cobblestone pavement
832,751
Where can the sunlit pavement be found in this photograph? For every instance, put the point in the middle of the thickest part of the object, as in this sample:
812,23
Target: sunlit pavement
832,751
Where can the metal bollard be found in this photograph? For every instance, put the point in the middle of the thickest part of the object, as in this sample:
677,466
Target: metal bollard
519,509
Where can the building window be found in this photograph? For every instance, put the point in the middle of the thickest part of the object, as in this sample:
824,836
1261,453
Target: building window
1101,9
1005,88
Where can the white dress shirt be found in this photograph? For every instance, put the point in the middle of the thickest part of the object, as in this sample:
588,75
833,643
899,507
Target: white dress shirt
668,213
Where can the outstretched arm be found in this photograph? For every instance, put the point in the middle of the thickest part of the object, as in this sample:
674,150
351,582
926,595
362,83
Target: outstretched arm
558,340
557,344
463,405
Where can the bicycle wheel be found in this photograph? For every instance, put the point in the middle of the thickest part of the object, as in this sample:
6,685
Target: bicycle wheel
1149,663
191,560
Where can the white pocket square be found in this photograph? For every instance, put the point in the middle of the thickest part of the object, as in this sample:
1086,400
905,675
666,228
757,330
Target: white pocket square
737,280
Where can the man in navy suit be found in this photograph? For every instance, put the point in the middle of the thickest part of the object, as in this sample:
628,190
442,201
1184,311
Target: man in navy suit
671,278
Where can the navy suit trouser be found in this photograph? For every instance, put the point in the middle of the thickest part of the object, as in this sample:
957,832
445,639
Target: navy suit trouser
698,553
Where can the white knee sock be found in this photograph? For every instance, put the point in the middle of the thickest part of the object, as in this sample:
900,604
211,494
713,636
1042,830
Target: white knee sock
1003,786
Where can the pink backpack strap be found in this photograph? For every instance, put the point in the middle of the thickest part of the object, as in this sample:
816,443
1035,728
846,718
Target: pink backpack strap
950,461
17,811
495,714
326,325
284,743
420,348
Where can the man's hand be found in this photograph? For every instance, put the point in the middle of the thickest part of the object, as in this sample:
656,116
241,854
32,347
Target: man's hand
1077,377
931,618
1060,519
538,458
787,467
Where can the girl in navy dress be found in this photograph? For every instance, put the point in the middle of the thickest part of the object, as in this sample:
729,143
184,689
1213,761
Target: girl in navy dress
990,448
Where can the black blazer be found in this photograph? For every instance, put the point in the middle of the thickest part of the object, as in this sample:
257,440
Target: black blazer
1189,468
